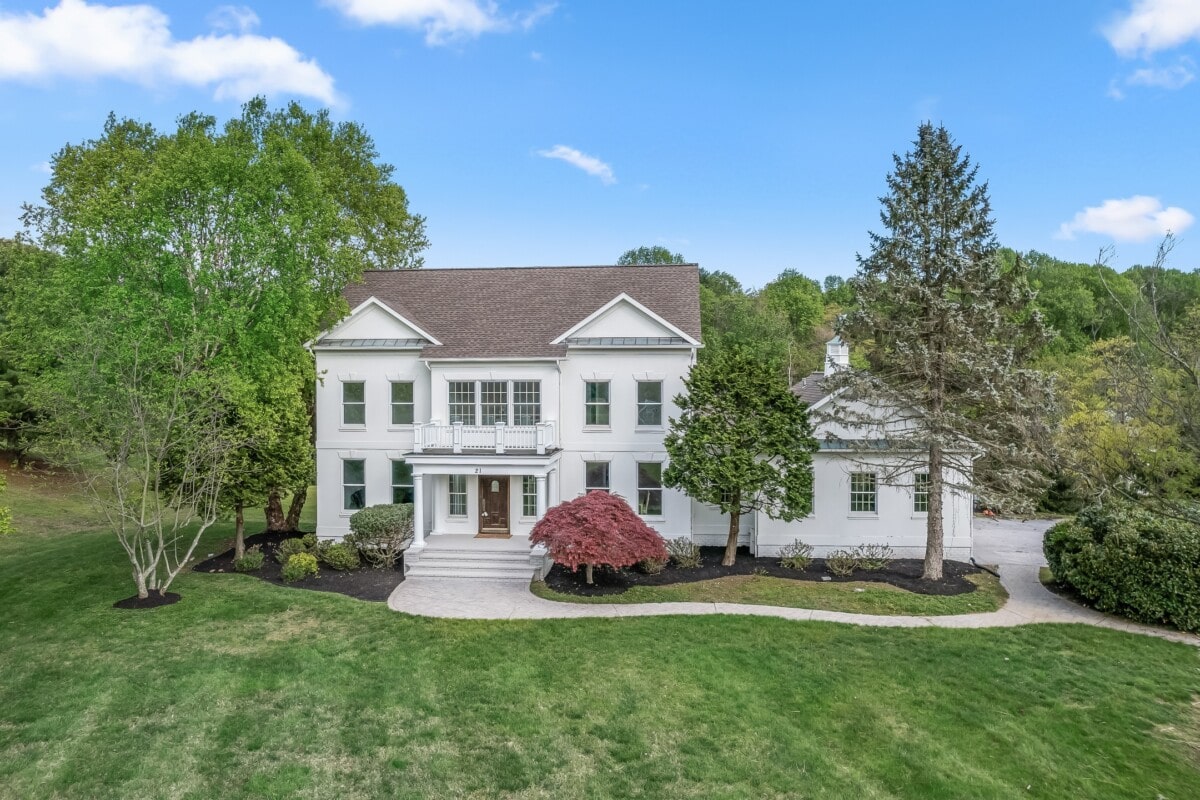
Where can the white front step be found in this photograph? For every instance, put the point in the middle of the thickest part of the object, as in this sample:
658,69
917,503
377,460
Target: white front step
459,561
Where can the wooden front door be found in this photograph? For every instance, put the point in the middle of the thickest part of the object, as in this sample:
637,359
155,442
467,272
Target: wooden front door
493,505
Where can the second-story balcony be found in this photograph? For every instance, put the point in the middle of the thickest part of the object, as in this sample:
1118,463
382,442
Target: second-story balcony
436,437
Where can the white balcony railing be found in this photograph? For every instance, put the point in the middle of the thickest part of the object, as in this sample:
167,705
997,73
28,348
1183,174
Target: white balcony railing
498,438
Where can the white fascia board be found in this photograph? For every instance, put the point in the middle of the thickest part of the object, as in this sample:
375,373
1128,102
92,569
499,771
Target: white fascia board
624,298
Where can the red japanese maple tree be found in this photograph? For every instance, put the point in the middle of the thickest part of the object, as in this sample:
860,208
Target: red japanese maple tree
597,528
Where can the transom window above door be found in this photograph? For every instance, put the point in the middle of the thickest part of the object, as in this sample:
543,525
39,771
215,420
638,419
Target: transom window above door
492,402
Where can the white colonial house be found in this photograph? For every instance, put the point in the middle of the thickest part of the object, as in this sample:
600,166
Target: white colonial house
486,396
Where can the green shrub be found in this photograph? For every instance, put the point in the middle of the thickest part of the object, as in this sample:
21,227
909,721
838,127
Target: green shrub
684,552
652,566
382,533
298,566
1129,561
288,548
339,555
841,563
251,561
309,540
796,555
873,557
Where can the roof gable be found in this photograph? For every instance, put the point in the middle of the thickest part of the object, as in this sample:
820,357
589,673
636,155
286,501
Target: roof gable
373,319
623,318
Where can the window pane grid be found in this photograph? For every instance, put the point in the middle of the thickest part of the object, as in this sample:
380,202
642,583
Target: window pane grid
354,405
596,403
458,495
527,402
528,496
462,402
862,492
921,493
493,396
595,476
354,487
649,402
650,493
402,402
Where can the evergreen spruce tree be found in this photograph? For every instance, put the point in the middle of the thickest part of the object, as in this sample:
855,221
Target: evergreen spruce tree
947,330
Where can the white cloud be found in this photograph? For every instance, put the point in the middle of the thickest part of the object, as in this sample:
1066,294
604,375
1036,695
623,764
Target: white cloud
1133,219
1154,25
233,18
134,43
589,164
1176,76
442,21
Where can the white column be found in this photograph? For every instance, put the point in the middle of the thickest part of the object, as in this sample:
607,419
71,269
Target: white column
418,513
541,495
554,489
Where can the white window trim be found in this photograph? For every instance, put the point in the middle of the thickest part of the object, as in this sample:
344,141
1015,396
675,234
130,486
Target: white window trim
401,426
637,405
852,514
661,489
608,404
395,486
466,493
353,456
352,426
608,474
524,516
915,513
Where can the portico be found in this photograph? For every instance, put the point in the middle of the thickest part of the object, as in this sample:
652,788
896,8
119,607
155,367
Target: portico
481,495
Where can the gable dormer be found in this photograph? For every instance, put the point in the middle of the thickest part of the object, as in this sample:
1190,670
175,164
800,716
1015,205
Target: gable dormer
624,322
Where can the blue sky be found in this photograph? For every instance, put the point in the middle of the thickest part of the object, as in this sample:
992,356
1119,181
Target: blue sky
750,137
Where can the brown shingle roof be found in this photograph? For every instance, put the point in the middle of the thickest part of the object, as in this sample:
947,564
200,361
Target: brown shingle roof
515,312
810,389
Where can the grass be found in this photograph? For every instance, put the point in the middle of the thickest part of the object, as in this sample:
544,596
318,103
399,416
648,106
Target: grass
244,689
859,597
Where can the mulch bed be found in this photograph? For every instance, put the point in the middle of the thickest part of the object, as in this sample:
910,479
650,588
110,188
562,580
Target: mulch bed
903,573
364,583
154,600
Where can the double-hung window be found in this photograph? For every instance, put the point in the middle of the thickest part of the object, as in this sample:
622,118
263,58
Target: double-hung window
528,496
595,403
458,495
354,403
595,476
862,493
650,492
649,403
402,403
921,493
462,402
527,402
402,482
493,397
354,484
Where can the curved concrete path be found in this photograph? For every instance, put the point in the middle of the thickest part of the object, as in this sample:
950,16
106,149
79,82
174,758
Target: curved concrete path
1015,546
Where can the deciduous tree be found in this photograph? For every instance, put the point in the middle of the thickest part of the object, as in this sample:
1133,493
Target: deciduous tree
597,529
742,441
650,255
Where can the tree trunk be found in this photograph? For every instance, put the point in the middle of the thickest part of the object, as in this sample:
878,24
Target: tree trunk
140,580
933,524
295,507
274,511
588,571
735,522
239,530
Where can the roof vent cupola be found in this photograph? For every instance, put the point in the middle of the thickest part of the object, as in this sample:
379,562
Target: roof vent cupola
837,355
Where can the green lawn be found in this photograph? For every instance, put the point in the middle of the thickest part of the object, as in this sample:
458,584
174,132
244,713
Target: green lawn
857,597
245,689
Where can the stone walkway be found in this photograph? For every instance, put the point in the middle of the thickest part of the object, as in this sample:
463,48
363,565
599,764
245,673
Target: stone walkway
1015,546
